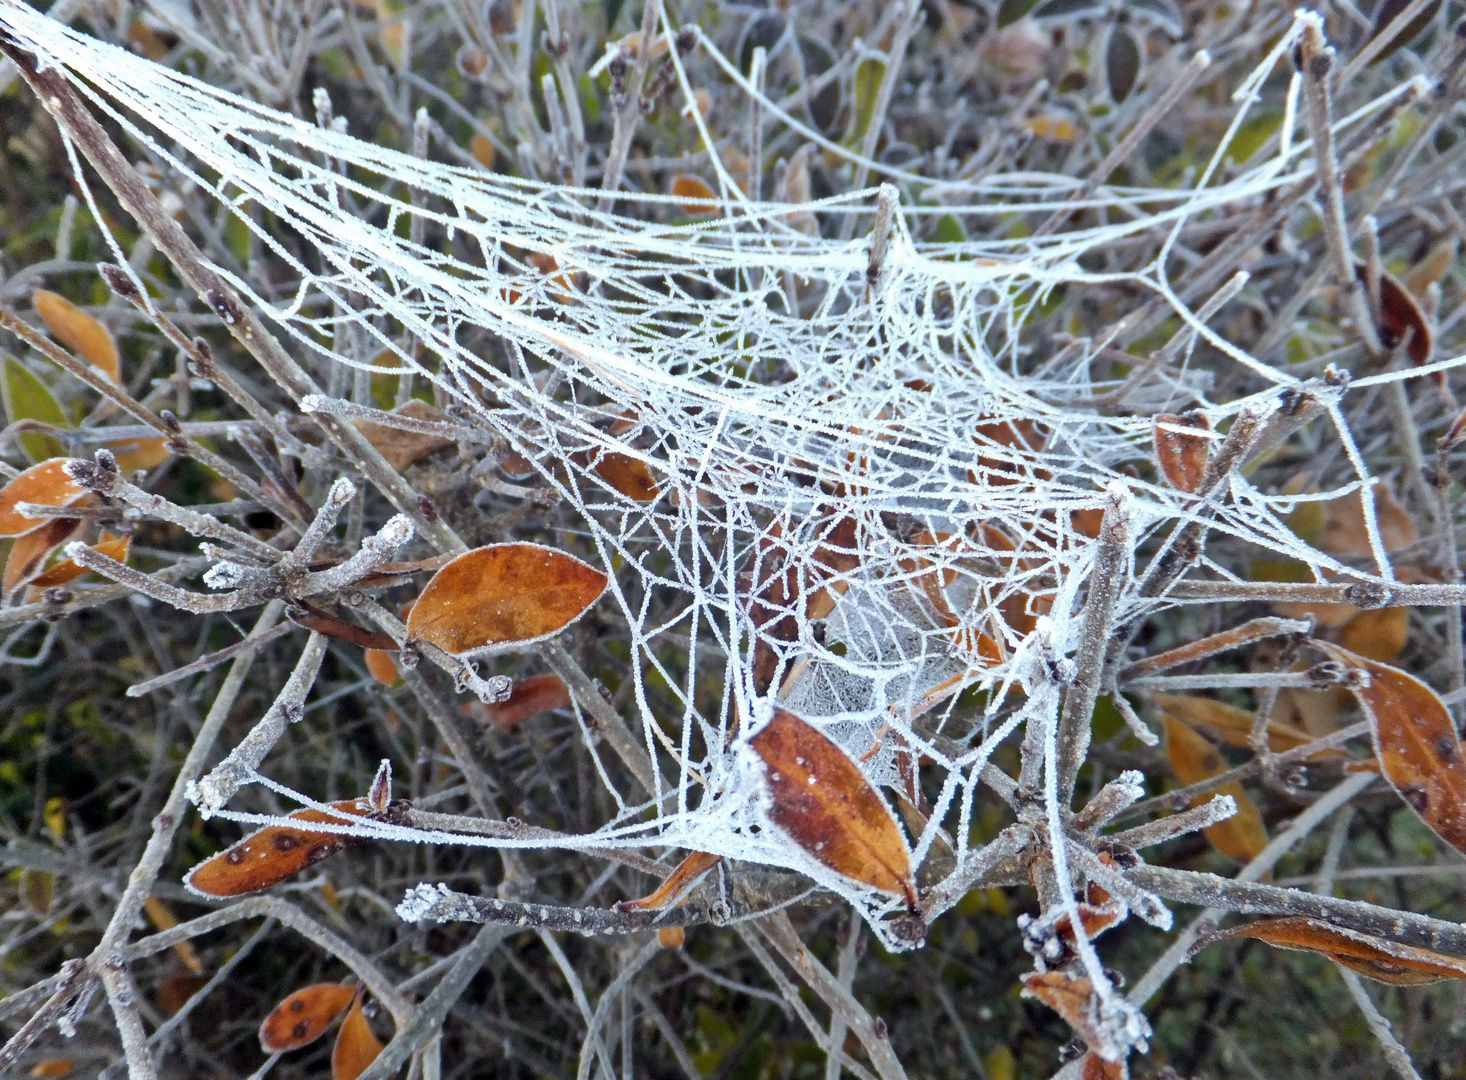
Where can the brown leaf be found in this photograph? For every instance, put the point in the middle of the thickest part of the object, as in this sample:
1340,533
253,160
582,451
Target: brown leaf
824,803
503,594
1379,634
322,622
404,448
1182,456
530,697
78,331
304,1016
1231,724
381,665
68,570
1376,958
1415,741
51,1067
675,887
357,1046
630,476
1344,530
45,484
693,195
1193,759
1094,1067
163,918
1400,314
1023,439
1386,13
1429,270
1067,995
175,991
139,455
29,553
275,853
671,937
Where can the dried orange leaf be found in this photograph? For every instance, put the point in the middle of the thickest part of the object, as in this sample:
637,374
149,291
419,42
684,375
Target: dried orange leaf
357,1046
671,937
503,594
1345,532
1067,995
1094,1067
45,484
404,448
382,666
69,570
1379,634
1415,741
672,890
29,553
1376,958
304,1016
822,801
693,194
1182,455
78,331
163,918
482,149
275,853
1193,759
536,694
51,1067
630,476
1231,724
139,455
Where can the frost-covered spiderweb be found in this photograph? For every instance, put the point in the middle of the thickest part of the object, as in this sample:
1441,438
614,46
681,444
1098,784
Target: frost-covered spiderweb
836,472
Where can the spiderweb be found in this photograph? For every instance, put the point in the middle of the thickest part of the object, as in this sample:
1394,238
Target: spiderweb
835,469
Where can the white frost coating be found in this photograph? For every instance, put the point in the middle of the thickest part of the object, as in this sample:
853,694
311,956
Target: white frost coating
773,401
225,575
419,902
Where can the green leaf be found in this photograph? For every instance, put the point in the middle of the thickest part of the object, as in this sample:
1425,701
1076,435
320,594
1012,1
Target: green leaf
28,398
949,230
868,76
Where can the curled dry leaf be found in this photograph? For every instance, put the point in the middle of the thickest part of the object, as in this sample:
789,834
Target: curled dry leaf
1377,958
29,552
821,800
276,853
531,696
1182,455
357,1046
503,594
1068,995
693,194
45,484
322,622
404,448
51,1067
304,1016
69,570
1193,759
78,331
1399,315
1415,741
675,887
